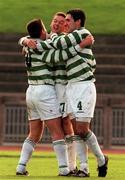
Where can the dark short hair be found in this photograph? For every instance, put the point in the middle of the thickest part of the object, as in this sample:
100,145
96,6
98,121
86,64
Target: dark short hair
78,14
34,28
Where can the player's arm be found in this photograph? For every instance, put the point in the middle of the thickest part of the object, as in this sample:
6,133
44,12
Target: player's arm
58,42
54,56
22,41
71,39
31,43
86,40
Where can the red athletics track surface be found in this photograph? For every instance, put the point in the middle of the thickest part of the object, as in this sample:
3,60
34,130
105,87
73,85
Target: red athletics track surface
48,147
45,147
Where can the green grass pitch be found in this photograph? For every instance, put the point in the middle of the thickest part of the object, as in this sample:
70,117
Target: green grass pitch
103,16
43,165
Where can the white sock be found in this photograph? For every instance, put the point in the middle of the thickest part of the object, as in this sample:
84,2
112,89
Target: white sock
92,142
71,150
26,153
61,155
82,153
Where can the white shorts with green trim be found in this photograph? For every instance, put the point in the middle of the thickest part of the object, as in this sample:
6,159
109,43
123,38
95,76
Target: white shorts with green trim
42,102
81,99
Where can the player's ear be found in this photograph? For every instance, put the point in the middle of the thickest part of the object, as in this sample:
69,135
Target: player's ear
78,23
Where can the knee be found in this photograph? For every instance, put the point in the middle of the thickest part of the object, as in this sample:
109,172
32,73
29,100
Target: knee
57,135
82,132
35,137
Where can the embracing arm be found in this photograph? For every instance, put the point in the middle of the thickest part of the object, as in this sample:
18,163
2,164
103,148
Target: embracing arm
34,44
57,55
57,42
71,39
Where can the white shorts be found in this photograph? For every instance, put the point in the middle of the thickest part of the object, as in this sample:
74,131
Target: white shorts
61,96
42,102
81,99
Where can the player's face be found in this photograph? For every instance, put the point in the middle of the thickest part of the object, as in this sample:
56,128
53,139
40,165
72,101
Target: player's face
57,24
70,24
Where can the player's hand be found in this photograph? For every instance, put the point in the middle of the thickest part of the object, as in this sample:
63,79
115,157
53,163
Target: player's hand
30,43
88,41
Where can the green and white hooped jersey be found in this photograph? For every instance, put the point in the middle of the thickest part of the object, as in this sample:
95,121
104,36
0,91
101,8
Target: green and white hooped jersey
80,67
59,72
38,72
59,68
56,58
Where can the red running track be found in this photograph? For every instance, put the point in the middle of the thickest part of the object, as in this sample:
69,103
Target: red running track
48,147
